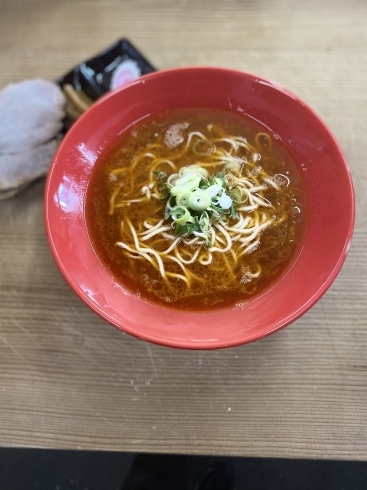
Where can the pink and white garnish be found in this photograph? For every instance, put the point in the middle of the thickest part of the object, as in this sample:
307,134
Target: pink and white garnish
125,72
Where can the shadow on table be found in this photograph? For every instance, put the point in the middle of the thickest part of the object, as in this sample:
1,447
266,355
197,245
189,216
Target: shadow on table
33,469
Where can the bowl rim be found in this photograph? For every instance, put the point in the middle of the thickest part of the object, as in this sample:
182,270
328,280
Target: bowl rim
157,339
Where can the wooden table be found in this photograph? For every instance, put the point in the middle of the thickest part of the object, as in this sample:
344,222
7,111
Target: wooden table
69,380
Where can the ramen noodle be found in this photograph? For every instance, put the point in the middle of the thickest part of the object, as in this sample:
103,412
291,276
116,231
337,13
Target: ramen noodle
196,208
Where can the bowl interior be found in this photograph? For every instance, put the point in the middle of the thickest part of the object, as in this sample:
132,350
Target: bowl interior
315,150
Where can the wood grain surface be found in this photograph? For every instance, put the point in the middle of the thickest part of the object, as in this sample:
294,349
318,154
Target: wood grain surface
69,380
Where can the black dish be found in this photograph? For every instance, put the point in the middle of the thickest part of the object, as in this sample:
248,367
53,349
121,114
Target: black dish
93,76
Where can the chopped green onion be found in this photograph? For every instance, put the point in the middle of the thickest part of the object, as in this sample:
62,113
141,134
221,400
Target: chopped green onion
183,199
196,200
186,229
199,200
233,212
193,169
171,181
159,175
225,201
213,190
181,215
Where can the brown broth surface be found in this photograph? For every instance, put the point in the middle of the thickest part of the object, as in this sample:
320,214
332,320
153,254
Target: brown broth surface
222,283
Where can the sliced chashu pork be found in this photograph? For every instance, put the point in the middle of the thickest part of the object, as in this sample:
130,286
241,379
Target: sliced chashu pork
31,114
17,168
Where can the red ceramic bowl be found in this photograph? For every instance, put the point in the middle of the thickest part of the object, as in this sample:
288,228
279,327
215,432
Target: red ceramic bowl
327,180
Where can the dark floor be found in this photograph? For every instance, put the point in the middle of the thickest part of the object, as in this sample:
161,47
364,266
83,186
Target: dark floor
31,469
